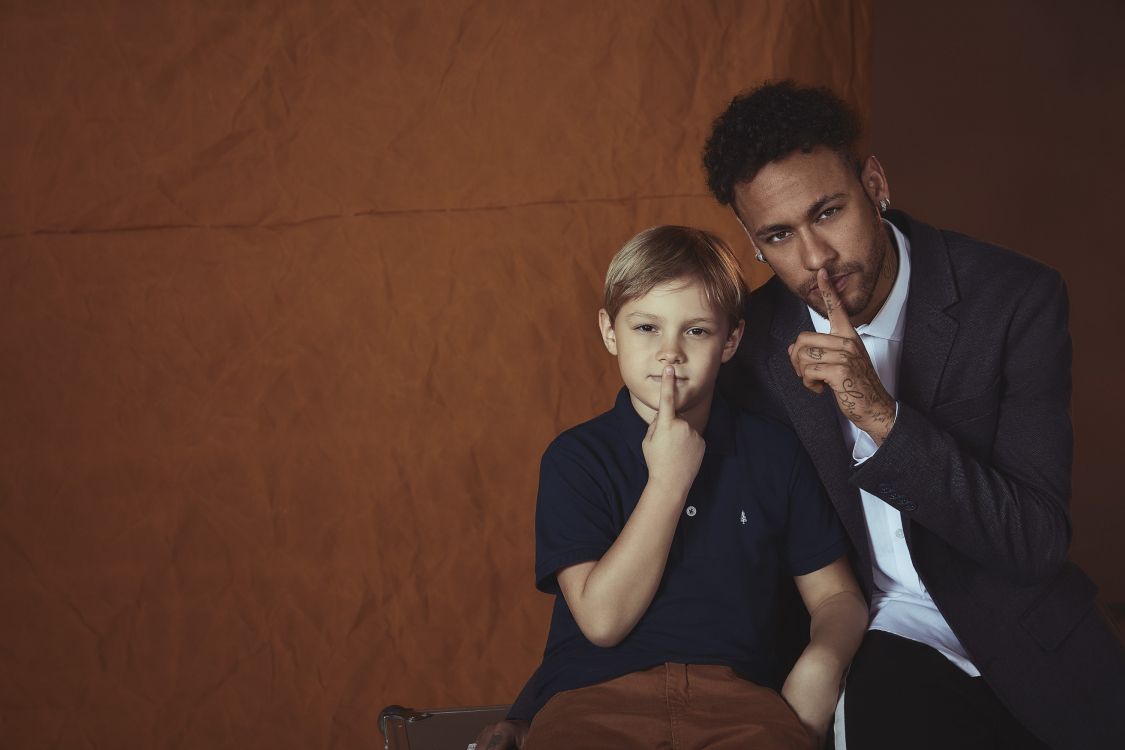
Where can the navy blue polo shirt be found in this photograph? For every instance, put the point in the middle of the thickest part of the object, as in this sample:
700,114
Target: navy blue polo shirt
756,512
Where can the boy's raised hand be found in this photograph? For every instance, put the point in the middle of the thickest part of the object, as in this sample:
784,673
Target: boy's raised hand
839,359
673,450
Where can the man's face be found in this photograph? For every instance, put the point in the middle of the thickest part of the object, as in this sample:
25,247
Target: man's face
671,325
810,211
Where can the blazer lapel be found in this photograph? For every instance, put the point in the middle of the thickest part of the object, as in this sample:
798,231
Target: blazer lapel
814,417
930,331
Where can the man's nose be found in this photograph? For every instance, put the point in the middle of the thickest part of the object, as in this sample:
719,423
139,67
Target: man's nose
816,251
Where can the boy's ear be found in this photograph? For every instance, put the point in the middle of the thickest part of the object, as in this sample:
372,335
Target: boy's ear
605,325
733,340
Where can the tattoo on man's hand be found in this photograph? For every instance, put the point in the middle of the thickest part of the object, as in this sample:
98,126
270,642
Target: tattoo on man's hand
816,352
847,395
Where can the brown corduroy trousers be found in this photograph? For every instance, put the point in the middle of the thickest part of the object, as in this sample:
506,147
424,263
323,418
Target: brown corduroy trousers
671,707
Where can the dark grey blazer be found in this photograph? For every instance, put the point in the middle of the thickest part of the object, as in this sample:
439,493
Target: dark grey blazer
979,464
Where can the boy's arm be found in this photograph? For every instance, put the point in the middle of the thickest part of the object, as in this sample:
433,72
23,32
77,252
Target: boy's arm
608,596
839,620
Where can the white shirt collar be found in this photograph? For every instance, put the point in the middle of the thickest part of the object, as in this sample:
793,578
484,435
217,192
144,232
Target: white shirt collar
890,322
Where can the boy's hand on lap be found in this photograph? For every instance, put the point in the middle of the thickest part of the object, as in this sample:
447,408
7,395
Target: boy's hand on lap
673,450
503,735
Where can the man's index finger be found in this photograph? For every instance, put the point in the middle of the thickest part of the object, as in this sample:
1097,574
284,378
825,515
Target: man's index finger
838,323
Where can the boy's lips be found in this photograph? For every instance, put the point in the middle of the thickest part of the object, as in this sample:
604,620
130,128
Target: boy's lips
658,378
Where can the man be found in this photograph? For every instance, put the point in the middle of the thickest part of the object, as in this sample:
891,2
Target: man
935,407
927,374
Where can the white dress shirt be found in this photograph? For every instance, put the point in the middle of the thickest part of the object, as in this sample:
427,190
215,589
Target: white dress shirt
900,603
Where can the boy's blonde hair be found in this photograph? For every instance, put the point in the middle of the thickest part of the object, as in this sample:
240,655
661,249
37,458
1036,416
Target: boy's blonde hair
667,253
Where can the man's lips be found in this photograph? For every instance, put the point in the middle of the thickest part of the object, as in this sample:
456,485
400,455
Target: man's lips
839,283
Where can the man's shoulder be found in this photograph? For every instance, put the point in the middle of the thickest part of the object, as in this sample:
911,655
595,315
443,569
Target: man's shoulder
768,294
973,261
763,306
985,256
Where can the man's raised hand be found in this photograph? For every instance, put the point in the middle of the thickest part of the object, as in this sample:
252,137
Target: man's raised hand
839,360
673,451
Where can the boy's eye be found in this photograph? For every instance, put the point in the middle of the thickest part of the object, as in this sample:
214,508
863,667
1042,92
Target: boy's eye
697,331
645,328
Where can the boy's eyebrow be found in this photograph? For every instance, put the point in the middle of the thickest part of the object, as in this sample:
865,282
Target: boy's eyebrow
689,322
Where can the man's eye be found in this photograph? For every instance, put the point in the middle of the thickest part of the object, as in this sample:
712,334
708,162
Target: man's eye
828,213
777,237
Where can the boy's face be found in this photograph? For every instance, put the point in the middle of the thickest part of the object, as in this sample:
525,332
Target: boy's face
671,325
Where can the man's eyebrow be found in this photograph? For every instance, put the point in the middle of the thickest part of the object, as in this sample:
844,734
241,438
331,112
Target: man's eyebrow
818,206
812,212
764,232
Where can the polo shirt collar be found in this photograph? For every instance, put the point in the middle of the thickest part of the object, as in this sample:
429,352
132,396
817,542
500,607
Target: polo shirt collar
890,322
718,434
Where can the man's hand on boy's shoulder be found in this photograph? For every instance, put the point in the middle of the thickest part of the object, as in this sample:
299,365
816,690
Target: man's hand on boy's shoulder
503,735
673,450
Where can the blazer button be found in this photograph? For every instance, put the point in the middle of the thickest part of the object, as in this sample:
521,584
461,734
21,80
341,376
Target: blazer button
884,488
909,506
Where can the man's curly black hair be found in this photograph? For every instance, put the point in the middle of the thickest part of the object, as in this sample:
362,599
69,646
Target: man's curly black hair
769,123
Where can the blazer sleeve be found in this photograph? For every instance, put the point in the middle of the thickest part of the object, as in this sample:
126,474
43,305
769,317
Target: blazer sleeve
990,475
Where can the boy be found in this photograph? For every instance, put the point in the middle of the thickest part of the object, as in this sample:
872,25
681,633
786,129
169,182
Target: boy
663,527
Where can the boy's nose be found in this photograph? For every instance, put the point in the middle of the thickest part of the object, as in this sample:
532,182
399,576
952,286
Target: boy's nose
670,355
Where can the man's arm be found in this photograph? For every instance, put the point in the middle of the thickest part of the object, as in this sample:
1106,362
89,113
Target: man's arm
838,620
608,596
1003,500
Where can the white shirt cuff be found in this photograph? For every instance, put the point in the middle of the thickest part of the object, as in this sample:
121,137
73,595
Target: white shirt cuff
865,446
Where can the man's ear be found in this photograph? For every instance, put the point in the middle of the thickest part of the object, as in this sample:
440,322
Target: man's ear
733,340
874,181
605,325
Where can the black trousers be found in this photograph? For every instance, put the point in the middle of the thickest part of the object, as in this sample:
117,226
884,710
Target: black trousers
902,694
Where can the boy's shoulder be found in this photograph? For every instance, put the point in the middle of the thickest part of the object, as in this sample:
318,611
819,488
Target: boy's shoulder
761,434
608,432
616,435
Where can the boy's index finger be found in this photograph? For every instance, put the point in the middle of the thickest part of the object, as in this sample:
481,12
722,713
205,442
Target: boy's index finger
667,408
838,323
